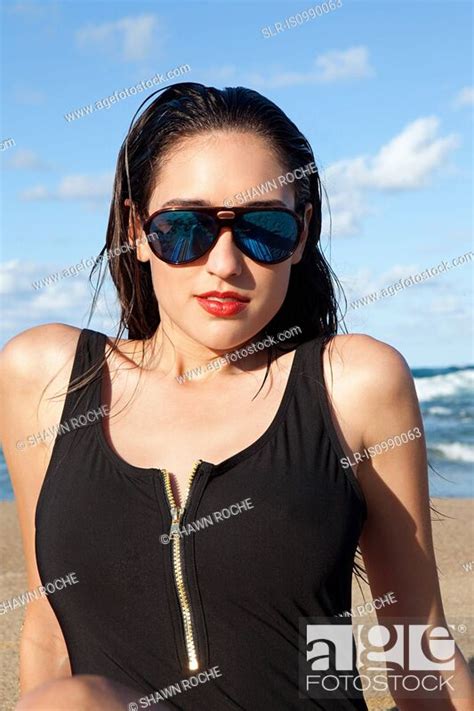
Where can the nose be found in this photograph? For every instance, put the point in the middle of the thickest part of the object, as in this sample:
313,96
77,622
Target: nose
225,259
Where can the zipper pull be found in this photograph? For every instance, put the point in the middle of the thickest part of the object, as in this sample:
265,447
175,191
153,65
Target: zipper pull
176,513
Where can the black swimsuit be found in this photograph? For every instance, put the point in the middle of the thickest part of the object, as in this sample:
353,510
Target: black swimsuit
228,592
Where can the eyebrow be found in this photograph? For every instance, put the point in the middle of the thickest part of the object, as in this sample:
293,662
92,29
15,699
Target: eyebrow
185,202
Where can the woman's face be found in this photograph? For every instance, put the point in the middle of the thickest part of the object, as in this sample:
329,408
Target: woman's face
206,170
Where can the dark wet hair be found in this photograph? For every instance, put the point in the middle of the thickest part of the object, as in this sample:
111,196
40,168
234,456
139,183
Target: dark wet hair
185,110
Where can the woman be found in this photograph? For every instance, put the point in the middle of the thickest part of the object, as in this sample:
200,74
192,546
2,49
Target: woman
213,246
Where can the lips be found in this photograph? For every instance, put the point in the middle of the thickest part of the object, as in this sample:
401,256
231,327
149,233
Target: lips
223,296
222,303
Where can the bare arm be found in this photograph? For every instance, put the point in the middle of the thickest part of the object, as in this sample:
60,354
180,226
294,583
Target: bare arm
28,362
396,541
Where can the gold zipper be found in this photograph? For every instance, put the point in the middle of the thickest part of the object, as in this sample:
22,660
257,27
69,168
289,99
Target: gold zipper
175,538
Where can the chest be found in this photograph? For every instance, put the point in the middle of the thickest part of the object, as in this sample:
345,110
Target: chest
170,426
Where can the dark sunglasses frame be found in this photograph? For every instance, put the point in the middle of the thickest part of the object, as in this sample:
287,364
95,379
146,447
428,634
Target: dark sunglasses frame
225,217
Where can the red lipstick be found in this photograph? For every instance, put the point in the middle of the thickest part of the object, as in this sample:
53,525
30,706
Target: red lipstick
232,303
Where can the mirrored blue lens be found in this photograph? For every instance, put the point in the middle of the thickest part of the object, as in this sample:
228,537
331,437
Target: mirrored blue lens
267,236
181,236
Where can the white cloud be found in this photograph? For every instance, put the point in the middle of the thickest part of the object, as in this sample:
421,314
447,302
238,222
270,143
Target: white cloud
352,63
409,159
348,210
331,67
74,187
365,281
24,159
465,97
17,276
445,287
39,192
68,301
16,279
407,162
134,37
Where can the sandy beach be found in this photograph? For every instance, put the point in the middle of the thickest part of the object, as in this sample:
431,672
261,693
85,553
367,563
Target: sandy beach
453,545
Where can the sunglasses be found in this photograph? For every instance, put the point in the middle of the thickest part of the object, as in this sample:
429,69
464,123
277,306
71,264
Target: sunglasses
267,235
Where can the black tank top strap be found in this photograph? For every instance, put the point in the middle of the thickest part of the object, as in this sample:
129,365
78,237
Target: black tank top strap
82,409
317,355
89,354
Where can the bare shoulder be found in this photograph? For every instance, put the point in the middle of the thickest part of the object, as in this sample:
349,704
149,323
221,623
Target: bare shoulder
368,382
31,358
35,368
361,362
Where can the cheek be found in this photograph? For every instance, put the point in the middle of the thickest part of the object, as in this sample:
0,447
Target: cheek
169,284
272,283
278,275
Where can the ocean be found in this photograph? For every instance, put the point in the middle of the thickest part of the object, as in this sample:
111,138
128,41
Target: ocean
446,400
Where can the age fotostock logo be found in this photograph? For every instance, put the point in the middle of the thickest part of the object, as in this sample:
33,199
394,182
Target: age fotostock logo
345,660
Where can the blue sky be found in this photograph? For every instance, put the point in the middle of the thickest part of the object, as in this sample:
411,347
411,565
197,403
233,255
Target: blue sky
383,91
